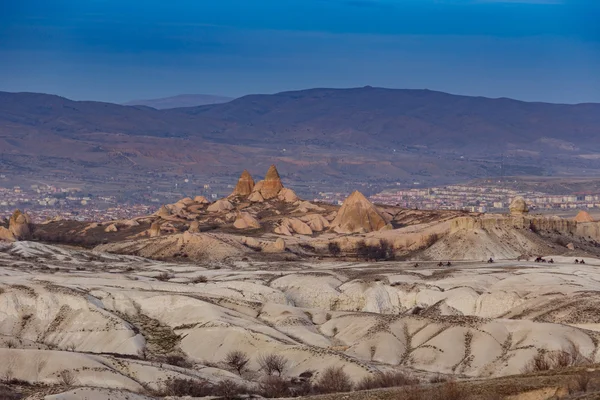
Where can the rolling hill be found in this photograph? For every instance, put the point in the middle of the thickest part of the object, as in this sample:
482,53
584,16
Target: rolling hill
329,136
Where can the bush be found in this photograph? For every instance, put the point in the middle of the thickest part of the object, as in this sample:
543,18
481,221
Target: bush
163,277
334,248
7,393
580,382
334,380
430,240
547,360
237,360
67,378
386,380
177,360
200,279
449,391
271,363
186,387
275,387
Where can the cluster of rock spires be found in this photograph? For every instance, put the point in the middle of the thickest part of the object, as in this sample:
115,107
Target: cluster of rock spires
267,189
19,227
357,214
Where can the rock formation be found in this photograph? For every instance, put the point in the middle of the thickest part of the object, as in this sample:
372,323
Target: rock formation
357,215
194,227
293,225
244,186
201,200
256,197
271,185
518,206
6,235
163,211
20,225
246,221
287,195
316,222
154,230
111,228
583,216
220,205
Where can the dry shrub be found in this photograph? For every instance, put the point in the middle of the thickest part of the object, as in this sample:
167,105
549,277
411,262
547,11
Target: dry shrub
229,390
386,380
271,363
547,360
163,277
177,360
200,279
226,389
7,393
67,378
580,382
237,360
186,387
274,387
334,380
430,240
449,391
438,379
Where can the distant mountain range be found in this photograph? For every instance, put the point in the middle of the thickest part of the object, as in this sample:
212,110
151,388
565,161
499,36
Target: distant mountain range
328,136
182,100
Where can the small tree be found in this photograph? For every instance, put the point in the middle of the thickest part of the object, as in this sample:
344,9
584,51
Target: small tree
237,360
334,380
271,363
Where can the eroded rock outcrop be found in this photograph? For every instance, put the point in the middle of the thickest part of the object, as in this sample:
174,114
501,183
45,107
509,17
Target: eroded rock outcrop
293,225
518,206
287,195
269,187
244,186
358,215
246,221
154,230
19,225
316,222
201,200
220,206
583,216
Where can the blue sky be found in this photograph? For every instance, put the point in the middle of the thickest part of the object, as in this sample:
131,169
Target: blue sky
546,50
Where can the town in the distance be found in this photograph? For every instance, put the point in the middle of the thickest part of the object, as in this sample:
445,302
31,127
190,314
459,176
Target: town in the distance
46,201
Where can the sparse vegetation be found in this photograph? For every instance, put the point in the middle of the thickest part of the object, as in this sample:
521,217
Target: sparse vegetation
164,276
430,240
237,360
547,360
272,363
581,382
67,378
200,279
334,380
386,380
